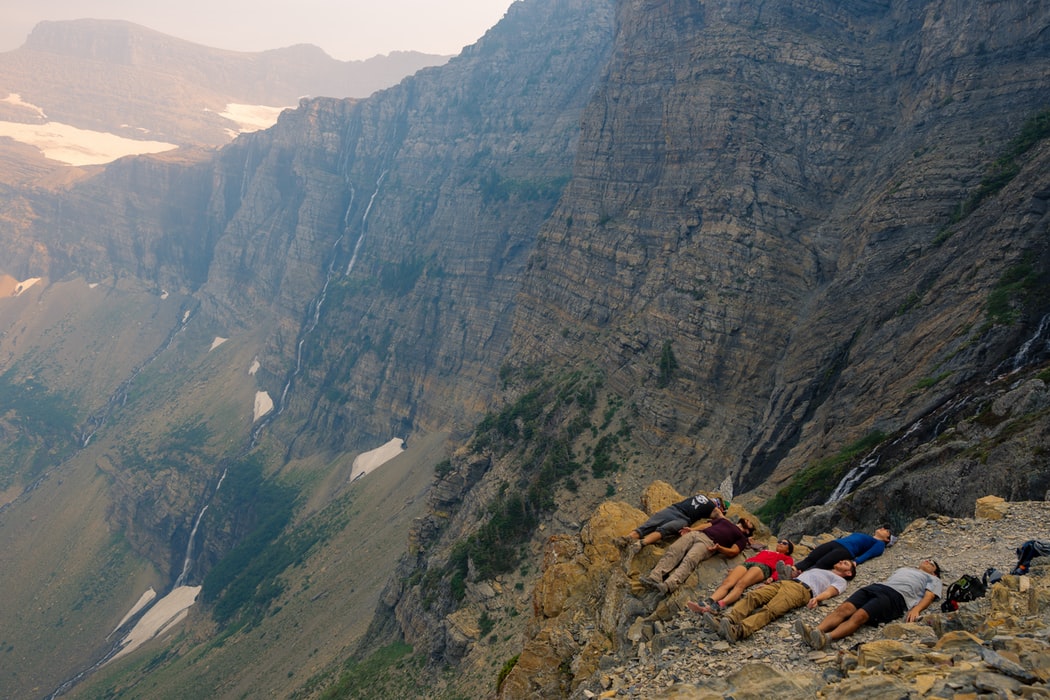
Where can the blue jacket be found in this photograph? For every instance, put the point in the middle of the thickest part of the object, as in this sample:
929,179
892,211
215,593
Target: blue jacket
862,546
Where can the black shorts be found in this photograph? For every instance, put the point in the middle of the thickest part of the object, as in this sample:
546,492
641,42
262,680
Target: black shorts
882,603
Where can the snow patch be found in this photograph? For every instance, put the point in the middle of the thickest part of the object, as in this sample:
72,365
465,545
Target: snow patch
17,101
219,340
263,405
253,367
251,117
368,461
72,146
169,610
24,285
145,599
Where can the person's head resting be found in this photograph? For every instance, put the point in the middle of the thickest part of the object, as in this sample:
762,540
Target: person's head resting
746,526
931,567
845,568
884,533
785,546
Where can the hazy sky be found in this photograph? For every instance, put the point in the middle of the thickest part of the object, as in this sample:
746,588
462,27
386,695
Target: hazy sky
345,29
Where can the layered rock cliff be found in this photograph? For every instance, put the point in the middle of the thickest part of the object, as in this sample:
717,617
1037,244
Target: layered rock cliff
692,240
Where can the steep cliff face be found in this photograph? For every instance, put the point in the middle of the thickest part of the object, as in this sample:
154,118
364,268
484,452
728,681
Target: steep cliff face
400,224
659,238
765,186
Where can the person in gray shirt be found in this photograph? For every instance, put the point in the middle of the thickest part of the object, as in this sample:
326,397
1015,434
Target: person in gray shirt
906,593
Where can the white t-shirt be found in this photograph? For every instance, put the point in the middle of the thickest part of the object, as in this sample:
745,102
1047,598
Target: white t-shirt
818,580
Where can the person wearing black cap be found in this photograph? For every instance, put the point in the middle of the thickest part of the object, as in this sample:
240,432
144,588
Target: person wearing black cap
675,519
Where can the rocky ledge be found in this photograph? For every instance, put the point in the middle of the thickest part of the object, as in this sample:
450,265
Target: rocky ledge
996,646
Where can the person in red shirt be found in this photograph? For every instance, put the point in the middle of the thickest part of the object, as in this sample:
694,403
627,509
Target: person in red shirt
759,568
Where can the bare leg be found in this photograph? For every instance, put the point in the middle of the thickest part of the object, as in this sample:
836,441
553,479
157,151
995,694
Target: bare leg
750,578
850,625
727,584
837,616
652,537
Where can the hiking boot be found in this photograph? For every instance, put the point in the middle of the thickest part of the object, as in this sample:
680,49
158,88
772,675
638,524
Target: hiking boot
817,639
784,572
712,624
729,630
634,547
801,628
654,584
624,541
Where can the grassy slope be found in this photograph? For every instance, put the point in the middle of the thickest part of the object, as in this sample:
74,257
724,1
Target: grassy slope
327,604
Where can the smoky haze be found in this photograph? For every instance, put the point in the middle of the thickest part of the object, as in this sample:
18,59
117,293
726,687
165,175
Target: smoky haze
345,30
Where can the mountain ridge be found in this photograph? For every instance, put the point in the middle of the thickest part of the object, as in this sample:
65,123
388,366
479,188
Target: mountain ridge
604,243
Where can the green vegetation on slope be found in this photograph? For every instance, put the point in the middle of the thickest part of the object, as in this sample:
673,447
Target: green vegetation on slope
390,672
243,584
1004,169
815,482
540,433
38,424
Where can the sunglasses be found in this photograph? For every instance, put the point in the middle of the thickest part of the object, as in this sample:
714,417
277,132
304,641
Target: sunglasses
783,542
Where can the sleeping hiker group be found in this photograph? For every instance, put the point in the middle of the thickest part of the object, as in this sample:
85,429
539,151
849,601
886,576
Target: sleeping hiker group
737,608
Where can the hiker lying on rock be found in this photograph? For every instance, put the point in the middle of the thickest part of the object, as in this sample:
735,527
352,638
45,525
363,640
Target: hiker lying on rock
906,593
674,520
859,546
762,605
717,537
761,567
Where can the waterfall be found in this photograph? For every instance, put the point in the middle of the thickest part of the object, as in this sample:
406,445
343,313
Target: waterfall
187,560
1032,350
853,477
364,223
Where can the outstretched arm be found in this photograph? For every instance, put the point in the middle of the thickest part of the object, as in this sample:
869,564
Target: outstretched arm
827,593
877,548
914,613
727,552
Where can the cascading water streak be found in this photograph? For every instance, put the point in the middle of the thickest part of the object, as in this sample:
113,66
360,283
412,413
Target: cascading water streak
852,478
364,223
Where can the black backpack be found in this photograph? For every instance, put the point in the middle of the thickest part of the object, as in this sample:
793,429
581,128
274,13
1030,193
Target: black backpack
967,588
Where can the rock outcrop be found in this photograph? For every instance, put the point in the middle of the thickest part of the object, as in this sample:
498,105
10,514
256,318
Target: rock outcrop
760,232
596,634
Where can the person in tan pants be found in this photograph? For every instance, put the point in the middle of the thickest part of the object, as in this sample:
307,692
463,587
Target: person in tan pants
685,554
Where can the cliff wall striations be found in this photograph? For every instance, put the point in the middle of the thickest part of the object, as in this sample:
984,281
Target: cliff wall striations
765,186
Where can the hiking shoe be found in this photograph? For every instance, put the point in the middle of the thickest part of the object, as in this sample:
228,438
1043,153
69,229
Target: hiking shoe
784,572
801,628
634,547
712,624
729,630
624,541
817,639
654,584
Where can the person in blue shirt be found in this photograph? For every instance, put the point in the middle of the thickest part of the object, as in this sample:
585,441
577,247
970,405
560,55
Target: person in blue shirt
858,547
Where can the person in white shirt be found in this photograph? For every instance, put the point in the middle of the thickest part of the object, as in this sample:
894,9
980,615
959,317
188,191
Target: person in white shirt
762,605
906,593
